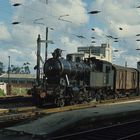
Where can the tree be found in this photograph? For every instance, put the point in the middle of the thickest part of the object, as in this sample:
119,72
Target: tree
1,68
23,70
26,68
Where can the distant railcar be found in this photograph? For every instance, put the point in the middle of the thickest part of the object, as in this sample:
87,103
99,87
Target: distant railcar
126,80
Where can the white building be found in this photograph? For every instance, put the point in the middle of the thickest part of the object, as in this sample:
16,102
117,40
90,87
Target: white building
3,86
103,52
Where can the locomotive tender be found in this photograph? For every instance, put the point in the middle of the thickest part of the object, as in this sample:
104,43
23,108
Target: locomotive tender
67,82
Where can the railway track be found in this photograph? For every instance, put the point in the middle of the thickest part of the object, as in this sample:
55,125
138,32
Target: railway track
20,104
10,117
18,113
120,131
22,101
22,113
117,131
15,101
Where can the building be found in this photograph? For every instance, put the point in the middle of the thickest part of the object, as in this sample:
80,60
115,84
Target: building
103,52
22,80
3,86
16,84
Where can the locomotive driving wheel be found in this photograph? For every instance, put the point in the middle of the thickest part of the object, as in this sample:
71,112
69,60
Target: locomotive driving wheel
59,99
60,102
89,96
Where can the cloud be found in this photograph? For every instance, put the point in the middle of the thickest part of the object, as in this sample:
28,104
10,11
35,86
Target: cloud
119,19
69,18
25,34
70,45
115,14
16,1
75,10
15,51
57,12
65,17
4,33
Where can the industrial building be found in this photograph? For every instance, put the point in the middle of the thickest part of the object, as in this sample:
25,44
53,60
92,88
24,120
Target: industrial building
103,52
22,80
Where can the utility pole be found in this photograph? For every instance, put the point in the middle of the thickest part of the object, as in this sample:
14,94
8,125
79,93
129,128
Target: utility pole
46,49
9,91
39,41
90,51
38,59
125,63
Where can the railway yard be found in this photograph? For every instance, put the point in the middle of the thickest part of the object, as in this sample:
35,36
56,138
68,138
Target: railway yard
110,119
76,97
86,86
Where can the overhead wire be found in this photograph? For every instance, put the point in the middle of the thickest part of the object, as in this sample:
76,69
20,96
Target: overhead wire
53,16
53,7
38,11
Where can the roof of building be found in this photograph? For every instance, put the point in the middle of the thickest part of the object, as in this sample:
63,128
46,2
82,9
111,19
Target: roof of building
5,75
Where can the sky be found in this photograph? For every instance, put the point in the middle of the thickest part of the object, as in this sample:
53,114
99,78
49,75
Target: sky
66,20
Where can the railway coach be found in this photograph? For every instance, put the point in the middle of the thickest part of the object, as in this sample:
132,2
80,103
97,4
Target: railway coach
126,81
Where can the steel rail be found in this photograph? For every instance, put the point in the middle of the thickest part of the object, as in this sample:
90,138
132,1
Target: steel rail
135,135
116,132
15,101
19,101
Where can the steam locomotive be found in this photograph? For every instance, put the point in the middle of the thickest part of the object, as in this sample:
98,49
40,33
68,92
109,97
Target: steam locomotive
68,82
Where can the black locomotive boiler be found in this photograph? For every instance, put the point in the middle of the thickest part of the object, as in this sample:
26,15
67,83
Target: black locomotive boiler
67,82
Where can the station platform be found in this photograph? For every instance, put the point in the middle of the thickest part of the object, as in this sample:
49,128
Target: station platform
52,123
